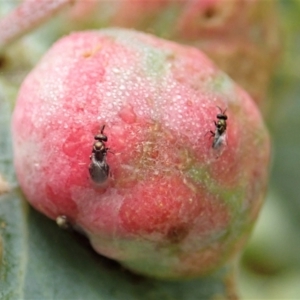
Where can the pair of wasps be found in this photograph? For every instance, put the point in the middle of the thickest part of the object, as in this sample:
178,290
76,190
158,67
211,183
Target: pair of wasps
99,169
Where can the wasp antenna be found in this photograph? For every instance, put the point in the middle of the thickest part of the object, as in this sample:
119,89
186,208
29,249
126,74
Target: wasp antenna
102,129
222,111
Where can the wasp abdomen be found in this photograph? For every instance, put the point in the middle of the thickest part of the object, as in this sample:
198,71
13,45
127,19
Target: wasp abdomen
98,168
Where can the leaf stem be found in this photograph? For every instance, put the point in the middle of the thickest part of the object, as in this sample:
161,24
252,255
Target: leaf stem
26,17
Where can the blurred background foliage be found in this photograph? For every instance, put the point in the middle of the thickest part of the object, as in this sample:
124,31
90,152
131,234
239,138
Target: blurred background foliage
270,265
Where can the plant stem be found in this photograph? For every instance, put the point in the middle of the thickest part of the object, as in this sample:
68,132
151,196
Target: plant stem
26,17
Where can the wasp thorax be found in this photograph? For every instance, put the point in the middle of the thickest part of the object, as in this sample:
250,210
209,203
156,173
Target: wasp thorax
98,146
221,125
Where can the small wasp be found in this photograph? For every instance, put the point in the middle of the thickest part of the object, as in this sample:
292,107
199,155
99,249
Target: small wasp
98,168
221,125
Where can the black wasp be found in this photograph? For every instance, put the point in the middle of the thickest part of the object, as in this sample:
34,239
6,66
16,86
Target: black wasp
98,168
221,125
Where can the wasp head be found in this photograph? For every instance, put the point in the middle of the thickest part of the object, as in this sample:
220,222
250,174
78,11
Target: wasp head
101,137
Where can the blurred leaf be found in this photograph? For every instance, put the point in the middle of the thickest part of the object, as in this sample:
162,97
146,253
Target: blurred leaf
276,241
284,117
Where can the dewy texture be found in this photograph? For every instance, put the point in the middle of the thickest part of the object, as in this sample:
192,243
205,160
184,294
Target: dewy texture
173,206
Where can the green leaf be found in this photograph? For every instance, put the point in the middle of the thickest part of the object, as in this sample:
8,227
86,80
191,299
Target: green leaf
272,256
284,117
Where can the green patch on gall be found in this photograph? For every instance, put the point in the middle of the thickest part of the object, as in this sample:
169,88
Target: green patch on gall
154,62
223,84
231,197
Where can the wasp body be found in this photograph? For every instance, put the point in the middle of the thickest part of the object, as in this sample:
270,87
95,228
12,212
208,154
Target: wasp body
98,168
220,131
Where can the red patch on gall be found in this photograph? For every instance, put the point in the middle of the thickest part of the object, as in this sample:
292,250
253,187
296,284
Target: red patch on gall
158,205
169,207
59,203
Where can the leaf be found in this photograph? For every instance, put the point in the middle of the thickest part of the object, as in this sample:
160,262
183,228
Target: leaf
273,252
285,112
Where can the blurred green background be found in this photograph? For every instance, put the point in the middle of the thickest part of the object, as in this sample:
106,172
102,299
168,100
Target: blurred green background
270,265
